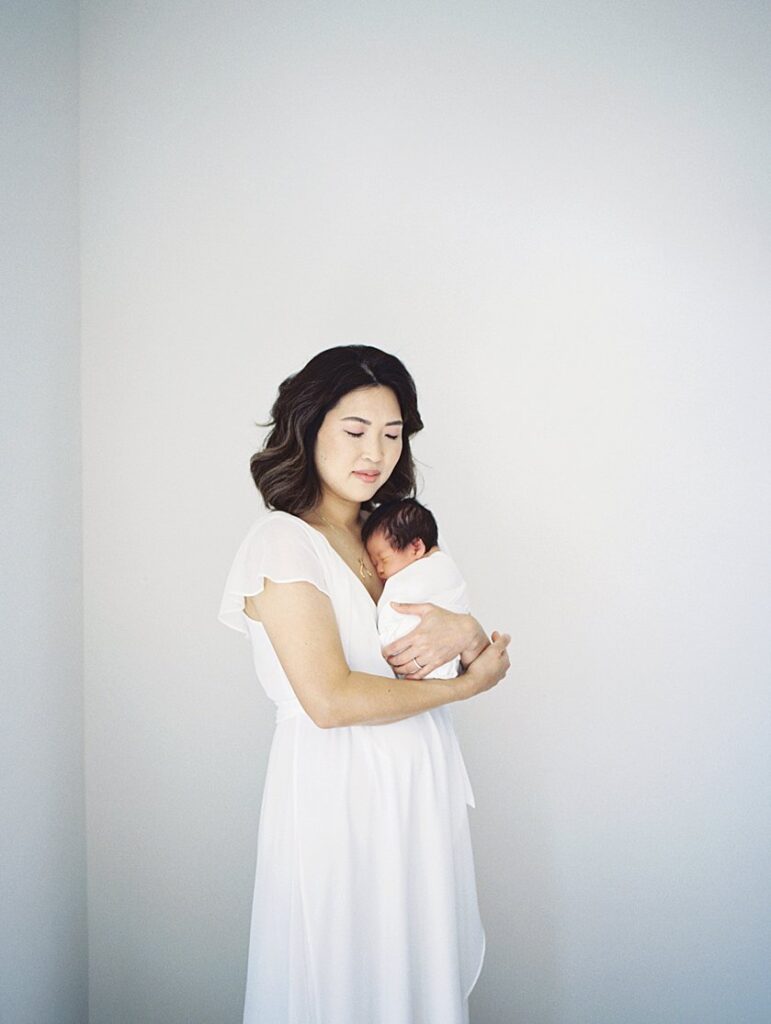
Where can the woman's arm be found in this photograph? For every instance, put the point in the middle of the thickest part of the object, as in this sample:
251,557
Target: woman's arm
301,626
361,696
440,636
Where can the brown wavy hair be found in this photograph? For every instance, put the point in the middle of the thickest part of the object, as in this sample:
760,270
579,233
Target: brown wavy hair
284,469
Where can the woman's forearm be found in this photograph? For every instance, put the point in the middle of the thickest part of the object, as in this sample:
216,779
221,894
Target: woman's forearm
476,643
365,699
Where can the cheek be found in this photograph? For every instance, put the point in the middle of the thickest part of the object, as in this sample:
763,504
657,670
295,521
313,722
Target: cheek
339,453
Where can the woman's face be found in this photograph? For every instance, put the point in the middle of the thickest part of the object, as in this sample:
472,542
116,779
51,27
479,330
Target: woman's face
362,432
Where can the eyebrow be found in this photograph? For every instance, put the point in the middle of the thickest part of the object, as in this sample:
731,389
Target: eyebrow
360,419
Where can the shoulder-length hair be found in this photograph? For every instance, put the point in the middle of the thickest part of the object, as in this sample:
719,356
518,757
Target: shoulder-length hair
284,469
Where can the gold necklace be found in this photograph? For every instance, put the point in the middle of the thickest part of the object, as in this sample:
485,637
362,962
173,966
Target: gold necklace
362,568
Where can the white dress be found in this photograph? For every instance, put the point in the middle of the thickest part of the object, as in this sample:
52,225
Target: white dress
365,905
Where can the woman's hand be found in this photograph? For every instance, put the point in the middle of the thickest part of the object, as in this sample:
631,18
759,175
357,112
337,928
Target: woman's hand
440,636
489,667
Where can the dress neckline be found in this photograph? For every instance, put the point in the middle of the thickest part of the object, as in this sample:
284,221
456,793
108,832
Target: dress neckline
337,554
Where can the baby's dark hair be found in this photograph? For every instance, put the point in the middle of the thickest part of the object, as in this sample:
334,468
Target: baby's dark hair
402,521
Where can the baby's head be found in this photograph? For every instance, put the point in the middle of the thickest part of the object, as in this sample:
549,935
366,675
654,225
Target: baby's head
397,533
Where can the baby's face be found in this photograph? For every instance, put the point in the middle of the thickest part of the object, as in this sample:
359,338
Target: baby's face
388,560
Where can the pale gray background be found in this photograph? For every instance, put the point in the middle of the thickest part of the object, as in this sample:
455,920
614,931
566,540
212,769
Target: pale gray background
558,216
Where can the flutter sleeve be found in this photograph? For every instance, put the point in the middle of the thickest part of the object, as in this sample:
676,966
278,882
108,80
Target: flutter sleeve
275,547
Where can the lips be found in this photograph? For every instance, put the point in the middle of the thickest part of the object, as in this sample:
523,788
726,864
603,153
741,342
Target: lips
366,476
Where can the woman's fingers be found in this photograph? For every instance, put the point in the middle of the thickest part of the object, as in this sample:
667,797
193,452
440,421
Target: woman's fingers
501,642
412,608
409,669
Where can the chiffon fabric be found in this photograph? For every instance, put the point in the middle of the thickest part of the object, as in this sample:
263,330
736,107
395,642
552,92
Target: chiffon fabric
365,904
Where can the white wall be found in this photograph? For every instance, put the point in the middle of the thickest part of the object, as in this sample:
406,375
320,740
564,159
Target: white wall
557,216
43,946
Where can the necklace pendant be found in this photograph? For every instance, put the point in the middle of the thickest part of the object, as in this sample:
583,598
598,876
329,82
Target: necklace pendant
362,568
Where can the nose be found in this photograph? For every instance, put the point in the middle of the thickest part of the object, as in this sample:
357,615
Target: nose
374,452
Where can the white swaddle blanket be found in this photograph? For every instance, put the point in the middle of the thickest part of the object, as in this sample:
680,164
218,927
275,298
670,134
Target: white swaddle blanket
435,578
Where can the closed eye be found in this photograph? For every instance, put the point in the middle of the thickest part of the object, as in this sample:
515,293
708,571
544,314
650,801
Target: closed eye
394,437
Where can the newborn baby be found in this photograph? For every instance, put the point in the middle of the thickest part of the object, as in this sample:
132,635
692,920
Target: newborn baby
401,539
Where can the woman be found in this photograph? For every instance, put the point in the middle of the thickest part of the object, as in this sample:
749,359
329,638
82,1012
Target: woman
365,906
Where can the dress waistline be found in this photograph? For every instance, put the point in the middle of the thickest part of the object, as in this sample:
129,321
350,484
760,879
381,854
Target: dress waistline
289,708
292,708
